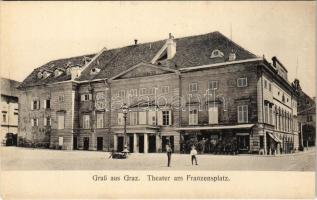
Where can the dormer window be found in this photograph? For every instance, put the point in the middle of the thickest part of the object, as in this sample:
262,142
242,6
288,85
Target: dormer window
94,71
39,75
57,73
232,56
216,54
68,70
46,74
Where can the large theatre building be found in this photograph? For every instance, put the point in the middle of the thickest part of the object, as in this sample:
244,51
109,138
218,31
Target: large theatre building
200,90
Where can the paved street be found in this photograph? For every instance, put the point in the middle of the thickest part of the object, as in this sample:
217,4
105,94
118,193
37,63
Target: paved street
15,158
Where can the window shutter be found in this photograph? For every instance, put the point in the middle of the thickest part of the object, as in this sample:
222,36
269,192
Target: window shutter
44,104
82,97
45,121
32,105
37,122
38,106
90,96
170,117
159,118
50,121
32,122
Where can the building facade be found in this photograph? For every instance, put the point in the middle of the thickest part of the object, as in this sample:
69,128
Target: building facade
307,119
200,90
9,111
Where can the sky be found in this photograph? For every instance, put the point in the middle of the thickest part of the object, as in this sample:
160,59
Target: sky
34,33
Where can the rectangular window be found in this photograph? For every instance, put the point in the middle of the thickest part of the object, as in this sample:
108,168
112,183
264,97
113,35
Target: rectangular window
151,91
142,117
100,120
270,87
86,121
35,122
46,104
261,142
61,98
120,119
133,118
165,90
193,87
60,121
265,84
86,97
4,117
142,91
193,117
270,115
152,118
121,93
100,96
213,85
35,105
266,113
242,82
47,121
243,114
133,92
213,115
166,117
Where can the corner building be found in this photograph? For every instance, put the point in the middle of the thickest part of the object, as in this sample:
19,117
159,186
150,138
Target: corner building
204,90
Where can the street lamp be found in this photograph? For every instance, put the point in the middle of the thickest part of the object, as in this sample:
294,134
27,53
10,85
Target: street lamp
125,110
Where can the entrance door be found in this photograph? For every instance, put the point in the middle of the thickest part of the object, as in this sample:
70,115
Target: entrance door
152,144
75,142
99,143
86,143
243,142
141,144
120,143
131,143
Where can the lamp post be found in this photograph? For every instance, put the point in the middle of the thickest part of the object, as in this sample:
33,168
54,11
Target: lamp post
125,110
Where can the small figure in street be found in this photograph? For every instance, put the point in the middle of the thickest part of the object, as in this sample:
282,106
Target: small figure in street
193,154
169,153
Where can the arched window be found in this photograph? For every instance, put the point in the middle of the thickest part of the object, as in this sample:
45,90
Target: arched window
216,54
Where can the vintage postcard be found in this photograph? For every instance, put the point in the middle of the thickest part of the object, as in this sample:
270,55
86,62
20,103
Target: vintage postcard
157,100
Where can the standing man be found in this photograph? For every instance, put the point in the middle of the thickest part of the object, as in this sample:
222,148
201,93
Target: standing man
169,153
193,154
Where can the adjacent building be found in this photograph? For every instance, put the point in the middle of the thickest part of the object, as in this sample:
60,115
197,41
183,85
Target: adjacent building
9,111
202,90
307,119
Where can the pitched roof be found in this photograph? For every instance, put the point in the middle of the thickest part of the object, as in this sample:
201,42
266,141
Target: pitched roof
51,66
190,51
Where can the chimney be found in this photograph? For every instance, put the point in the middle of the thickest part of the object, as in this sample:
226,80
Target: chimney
135,41
171,46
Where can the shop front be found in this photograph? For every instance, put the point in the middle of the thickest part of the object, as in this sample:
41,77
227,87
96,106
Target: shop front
216,139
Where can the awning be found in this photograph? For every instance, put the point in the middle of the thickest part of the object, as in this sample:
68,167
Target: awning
275,138
239,126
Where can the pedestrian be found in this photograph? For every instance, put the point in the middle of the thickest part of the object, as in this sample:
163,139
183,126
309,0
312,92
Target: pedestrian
169,153
193,154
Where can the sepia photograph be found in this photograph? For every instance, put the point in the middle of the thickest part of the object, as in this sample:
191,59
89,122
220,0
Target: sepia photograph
182,87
